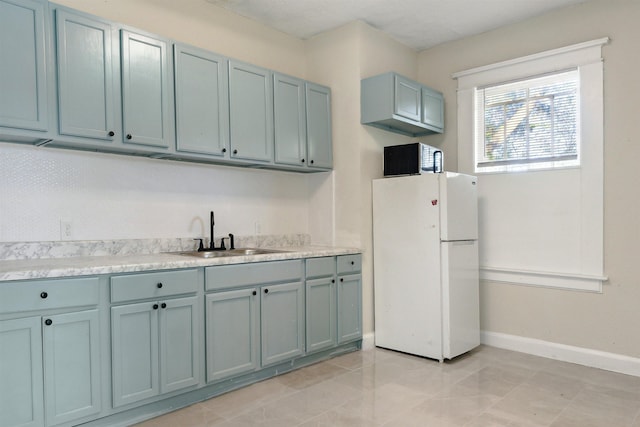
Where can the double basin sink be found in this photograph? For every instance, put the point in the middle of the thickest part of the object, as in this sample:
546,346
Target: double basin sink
231,252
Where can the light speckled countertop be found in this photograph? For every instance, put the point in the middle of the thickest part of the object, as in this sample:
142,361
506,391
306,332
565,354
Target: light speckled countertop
21,269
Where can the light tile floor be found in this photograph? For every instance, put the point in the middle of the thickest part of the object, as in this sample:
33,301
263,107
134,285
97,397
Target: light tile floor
488,387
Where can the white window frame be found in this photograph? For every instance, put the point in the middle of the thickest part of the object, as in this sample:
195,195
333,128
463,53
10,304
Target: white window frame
587,58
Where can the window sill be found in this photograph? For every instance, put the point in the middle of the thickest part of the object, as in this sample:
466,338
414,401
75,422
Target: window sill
574,282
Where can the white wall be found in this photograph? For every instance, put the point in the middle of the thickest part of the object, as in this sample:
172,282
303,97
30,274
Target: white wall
606,321
118,197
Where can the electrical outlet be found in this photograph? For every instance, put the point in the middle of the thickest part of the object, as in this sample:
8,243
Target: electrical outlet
66,230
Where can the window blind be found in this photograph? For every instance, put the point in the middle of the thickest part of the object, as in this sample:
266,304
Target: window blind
529,121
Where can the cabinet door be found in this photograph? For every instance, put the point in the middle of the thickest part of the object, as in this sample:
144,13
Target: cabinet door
321,313
349,308
23,80
432,109
320,150
282,315
86,104
21,372
71,366
407,98
146,91
202,102
289,120
232,333
251,112
179,343
134,352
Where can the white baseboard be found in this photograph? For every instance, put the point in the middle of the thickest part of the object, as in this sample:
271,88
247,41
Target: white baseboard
566,353
368,341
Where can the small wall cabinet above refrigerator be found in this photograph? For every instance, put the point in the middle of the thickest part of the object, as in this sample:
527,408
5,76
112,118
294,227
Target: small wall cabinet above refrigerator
397,104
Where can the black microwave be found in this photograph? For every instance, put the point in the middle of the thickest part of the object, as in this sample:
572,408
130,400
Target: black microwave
412,159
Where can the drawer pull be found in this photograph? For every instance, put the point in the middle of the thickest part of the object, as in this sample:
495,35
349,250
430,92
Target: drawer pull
333,280
353,262
266,291
48,322
341,279
254,293
159,285
164,305
155,306
43,295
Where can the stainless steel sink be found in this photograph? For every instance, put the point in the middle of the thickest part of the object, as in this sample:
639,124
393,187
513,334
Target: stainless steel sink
254,251
205,254
231,252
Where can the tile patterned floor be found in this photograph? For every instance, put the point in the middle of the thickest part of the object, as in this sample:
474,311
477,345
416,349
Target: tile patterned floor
488,387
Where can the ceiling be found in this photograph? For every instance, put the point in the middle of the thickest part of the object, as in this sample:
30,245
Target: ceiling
419,24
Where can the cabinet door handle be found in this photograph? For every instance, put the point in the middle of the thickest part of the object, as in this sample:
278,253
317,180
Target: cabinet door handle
311,161
333,280
302,160
341,279
44,295
129,136
111,133
155,306
235,151
224,150
254,293
164,305
48,322
266,291
159,285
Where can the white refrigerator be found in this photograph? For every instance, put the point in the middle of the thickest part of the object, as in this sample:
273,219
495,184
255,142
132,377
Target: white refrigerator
426,281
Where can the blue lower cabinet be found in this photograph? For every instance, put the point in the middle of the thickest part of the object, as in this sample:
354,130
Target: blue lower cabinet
321,313
349,308
21,401
50,369
155,348
233,333
282,326
72,387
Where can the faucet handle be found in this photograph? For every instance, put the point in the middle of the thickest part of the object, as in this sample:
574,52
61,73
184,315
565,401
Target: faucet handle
200,246
231,242
222,247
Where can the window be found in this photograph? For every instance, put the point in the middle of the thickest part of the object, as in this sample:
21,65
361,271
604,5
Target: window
532,129
528,124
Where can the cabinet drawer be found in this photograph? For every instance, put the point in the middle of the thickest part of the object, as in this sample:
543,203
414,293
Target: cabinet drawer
228,276
153,285
320,267
349,264
48,294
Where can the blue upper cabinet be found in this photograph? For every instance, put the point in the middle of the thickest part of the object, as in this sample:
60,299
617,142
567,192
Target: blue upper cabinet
302,123
87,78
407,101
319,141
397,104
432,108
250,113
289,120
24,72
147,99
202,102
